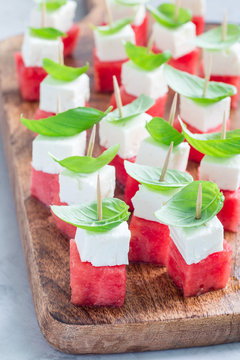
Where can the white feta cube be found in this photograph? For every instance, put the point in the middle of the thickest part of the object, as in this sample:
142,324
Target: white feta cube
128,135
35,49
204,117
111,47
137,81
120,11
146,202
197,7
108,248
224,62
225,172
61,19
179,41
60,147
71,94
197,243
154,154
78,188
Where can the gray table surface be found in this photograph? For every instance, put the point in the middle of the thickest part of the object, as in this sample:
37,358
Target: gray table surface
20,336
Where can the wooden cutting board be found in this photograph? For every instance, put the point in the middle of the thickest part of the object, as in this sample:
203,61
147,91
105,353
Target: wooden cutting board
155,315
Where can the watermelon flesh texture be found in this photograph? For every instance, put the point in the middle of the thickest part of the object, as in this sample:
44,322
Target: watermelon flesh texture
212,273
41,114
230,213
131,188
187,63
98,286
199,22
156,110
149,241
141,32
29,79
70,41
68,230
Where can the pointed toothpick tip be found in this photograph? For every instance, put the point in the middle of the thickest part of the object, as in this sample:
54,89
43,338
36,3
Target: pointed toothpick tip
117,96
224,126
109,14
91,141
224,26
207,75
166,162
99,199
173,109
44,11
199,203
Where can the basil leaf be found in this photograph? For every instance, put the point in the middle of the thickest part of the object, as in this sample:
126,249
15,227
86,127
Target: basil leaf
180,210
53,5
191,86
212,144
84,216
48,33
68,123
115,28
144,58
149,176
212,39
131,2
164,14
130,111
162,132
63,72
88,164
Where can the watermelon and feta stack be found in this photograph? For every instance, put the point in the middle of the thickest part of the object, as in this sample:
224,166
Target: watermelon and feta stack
63,135
143,74
63,89
198,10
58,14
99,253
199,259
174,31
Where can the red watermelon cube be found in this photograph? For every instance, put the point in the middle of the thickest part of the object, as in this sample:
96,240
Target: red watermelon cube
211,273
141,32
98,286
70,41
199,22
230,213
66,229
131,188
41,114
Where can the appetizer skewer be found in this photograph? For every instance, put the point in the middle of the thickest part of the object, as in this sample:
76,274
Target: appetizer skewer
198,9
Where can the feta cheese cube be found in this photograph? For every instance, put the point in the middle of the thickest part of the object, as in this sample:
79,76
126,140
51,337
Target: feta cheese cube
128,135
111,47
197,243
137,81
204,117
61,19
108,248
179,41
225,172
146,202
77,188
120,11
35,49
60,147
154,154
197,7
224,62
71,94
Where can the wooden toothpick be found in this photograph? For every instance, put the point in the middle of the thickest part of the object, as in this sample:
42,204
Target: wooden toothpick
224,126
44,11
224,26
117,96
60,54
150,42
99,199
177,8
91,141
58,104
207,75
173,109
199,203
109,14
166,162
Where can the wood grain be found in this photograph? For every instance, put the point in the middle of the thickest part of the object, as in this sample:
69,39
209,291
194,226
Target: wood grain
155,315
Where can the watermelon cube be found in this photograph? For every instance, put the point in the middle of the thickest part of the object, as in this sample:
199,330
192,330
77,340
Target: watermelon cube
29,79
156,110
149,241
230,213
141,32
211,273
98,286
131,188
199,22
41,114
70,41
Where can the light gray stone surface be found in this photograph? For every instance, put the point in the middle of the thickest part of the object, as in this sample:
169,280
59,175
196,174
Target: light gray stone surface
20,337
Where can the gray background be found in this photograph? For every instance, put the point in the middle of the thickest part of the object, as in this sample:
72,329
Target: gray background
20,337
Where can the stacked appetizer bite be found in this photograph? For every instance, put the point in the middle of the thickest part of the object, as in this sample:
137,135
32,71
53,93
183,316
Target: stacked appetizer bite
99,253
63,89
199,259
174,31
58,14
203,103
143,74
63,135
198,9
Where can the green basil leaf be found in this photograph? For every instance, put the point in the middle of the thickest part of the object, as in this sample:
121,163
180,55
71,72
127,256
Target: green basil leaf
68,123
130,111
47,33
131,2
53,5
164,14
149,176
88,164
84,216
212,39
180,210
115,28
144,58
212,144
162,132
63,72
191,86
